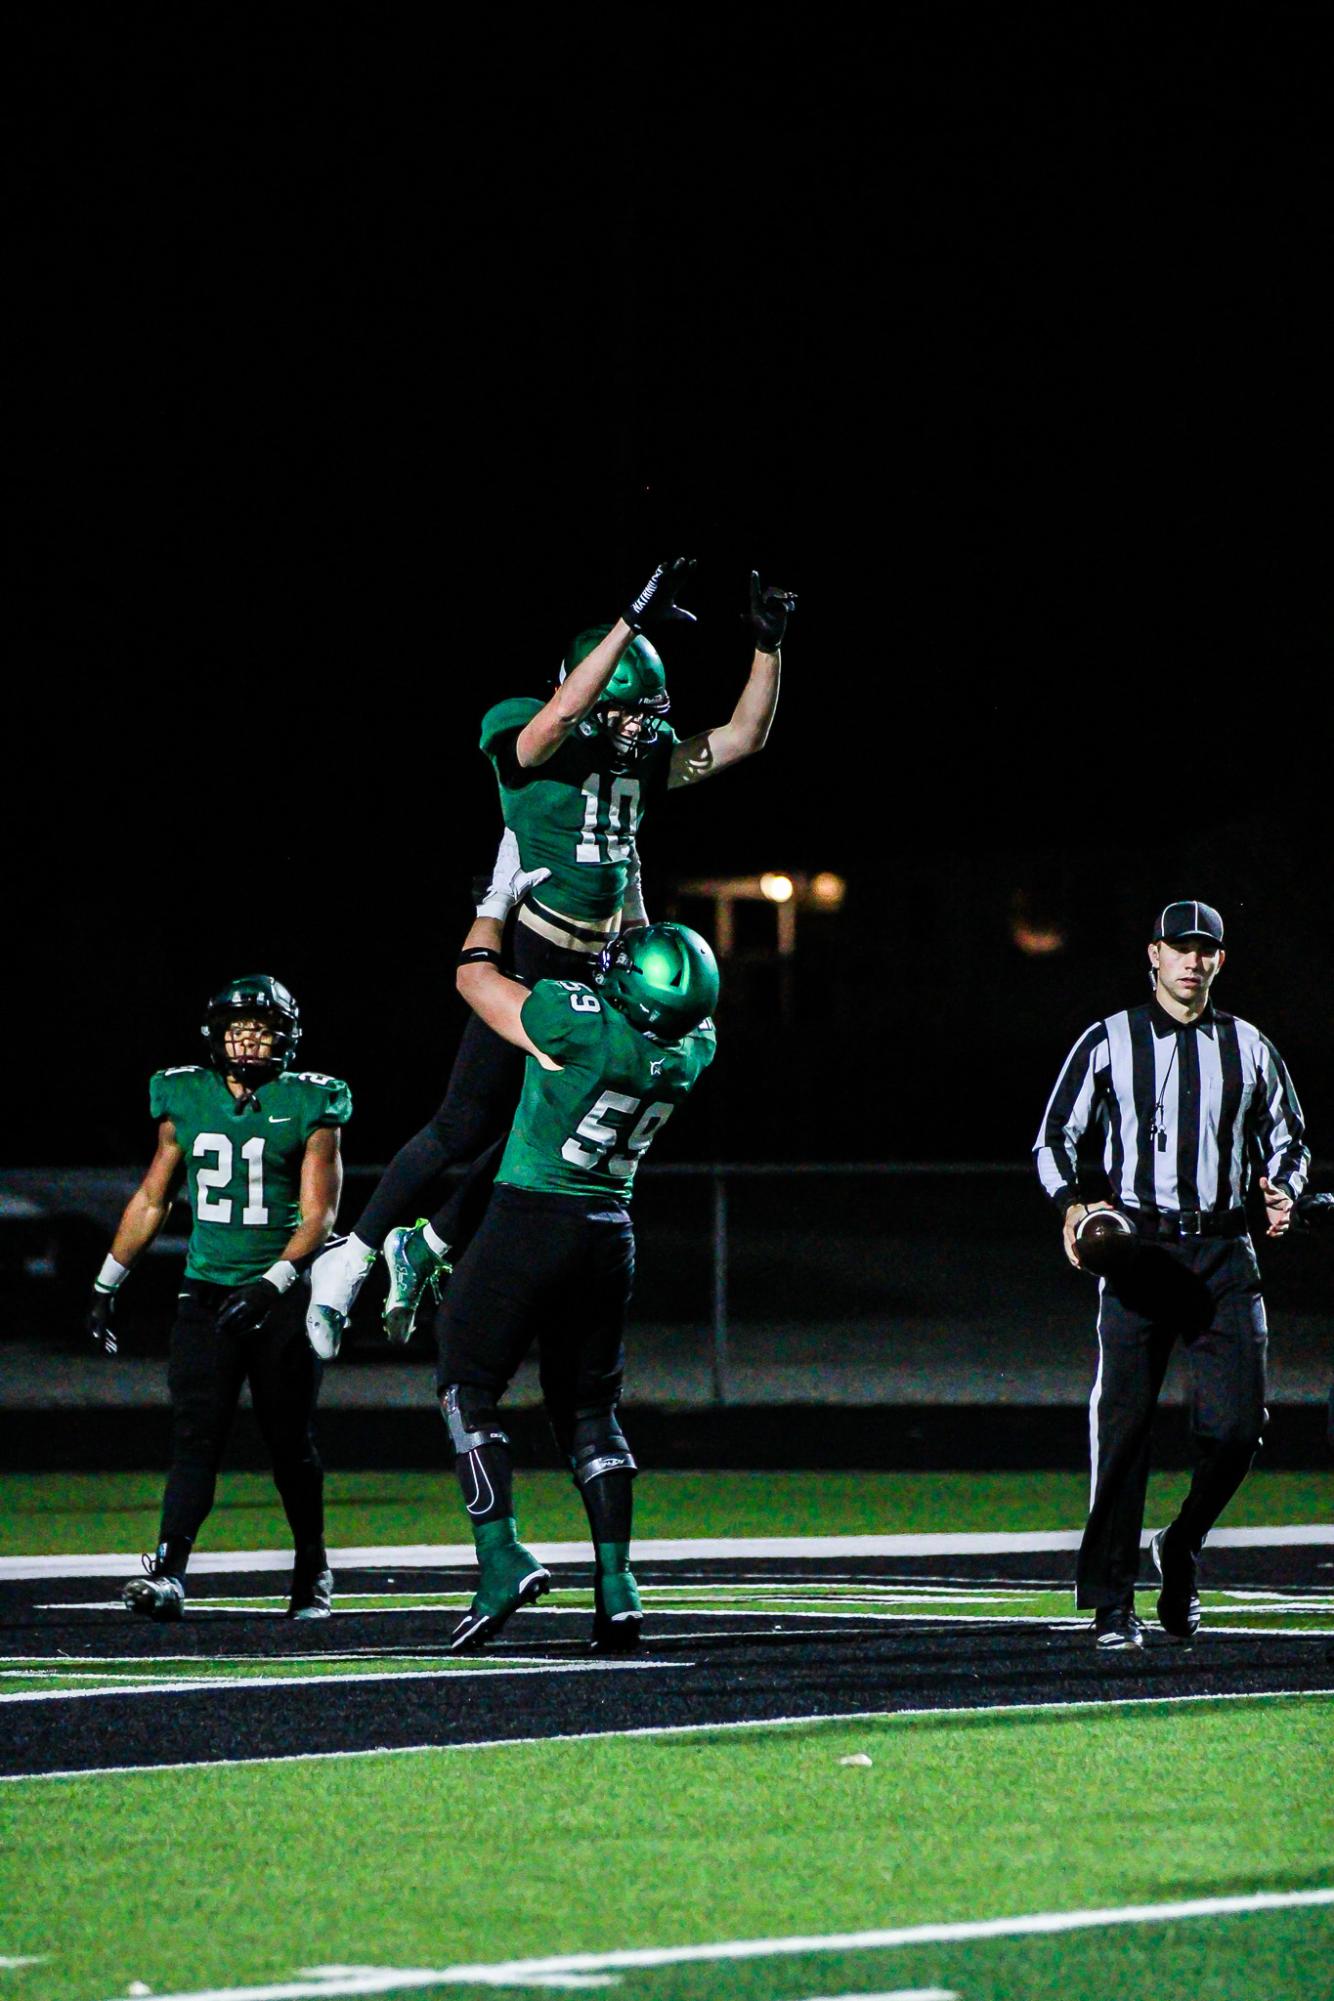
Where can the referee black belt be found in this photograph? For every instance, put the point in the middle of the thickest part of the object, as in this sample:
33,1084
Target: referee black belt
1175,1225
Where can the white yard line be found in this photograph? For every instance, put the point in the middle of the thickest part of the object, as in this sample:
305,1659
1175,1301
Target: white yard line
212,1684
462,1556
557,1968
891,1716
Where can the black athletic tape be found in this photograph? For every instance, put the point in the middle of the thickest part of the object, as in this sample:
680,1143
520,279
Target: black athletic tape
477,955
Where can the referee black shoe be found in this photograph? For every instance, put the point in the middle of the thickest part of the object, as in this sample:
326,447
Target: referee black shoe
1117,1627
1178,1601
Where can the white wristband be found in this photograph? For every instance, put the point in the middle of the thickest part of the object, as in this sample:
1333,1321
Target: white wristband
111,1275
281,1275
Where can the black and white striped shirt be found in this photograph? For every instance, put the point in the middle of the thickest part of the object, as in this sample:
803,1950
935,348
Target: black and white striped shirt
1183,1109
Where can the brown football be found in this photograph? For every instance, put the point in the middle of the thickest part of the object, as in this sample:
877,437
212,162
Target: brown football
1104,1236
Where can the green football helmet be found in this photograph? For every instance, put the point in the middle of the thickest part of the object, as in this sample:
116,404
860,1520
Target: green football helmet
662,977
254,996
639,685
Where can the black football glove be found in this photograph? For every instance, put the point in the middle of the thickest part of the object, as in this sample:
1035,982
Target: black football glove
1318,1209
244,1311
656,603
769,611
100,1323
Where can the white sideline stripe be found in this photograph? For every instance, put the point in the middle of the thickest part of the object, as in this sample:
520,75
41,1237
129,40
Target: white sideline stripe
462,1556
145,1686
991,1709
523,1972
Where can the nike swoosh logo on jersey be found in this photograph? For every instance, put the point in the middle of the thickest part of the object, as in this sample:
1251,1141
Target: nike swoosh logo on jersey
286,1120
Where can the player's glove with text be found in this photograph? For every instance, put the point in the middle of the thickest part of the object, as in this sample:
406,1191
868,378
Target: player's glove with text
510,881
770,609
101,1324
656,603
244,1311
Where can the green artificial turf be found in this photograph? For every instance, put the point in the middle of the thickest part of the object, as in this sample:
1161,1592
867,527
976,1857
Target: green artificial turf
84,1513
236,1875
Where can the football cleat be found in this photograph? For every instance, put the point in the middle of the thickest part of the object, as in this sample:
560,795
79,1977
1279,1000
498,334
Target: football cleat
1178,1601
312,1587
158,1594
618,1615
412,1267
511,1577
1116,1628
336,1277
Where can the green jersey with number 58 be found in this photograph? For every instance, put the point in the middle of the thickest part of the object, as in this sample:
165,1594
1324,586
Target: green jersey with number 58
583,1129
243,1161
575,814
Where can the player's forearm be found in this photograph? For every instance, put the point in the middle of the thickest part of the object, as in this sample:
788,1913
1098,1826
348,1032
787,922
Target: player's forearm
585,684
143,1217
311,1233
475,979
752,718
582,688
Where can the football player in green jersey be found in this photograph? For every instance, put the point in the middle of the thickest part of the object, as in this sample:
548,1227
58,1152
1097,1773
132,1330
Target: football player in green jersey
607,1061
576,773
257,1145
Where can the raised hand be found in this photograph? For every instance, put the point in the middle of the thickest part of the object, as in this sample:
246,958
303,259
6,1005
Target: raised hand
770,609
656,603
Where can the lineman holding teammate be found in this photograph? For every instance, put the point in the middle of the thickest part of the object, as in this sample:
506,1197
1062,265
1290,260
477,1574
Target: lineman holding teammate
607,1062
576,773
258,1147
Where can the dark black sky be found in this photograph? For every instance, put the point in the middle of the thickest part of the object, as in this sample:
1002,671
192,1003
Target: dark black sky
357,365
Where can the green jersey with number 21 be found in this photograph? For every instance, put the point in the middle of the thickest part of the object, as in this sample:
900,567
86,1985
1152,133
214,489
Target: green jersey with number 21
243,1161
583,1129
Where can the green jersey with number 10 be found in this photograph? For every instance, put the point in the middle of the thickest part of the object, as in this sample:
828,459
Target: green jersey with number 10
576,814
243,1161
583,1129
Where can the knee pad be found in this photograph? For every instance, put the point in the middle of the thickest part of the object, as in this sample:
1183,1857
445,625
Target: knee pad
598,1446
470,1418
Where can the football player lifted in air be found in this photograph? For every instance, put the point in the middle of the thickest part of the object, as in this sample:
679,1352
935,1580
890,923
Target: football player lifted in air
607,1061
576,773
258,1146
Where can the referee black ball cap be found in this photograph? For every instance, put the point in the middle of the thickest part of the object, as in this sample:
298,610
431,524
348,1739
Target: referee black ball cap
1190,919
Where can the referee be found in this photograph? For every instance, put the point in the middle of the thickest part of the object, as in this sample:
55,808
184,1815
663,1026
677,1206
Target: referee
1183,1103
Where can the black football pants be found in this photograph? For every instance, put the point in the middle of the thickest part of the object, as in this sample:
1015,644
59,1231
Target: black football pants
555,1269
1205,1293
205,1374
471,1124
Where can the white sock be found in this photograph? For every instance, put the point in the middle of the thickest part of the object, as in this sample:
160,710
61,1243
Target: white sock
434,1241
355,1248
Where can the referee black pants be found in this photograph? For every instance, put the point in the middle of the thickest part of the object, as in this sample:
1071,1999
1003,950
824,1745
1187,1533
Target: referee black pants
205,1374
1206,1294
469,1127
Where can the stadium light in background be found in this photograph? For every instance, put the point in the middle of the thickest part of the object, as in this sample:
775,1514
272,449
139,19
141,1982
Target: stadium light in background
785,894
1033,929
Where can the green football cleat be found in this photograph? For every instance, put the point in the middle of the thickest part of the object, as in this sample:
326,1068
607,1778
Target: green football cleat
511,1577
618,1615
412,1267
